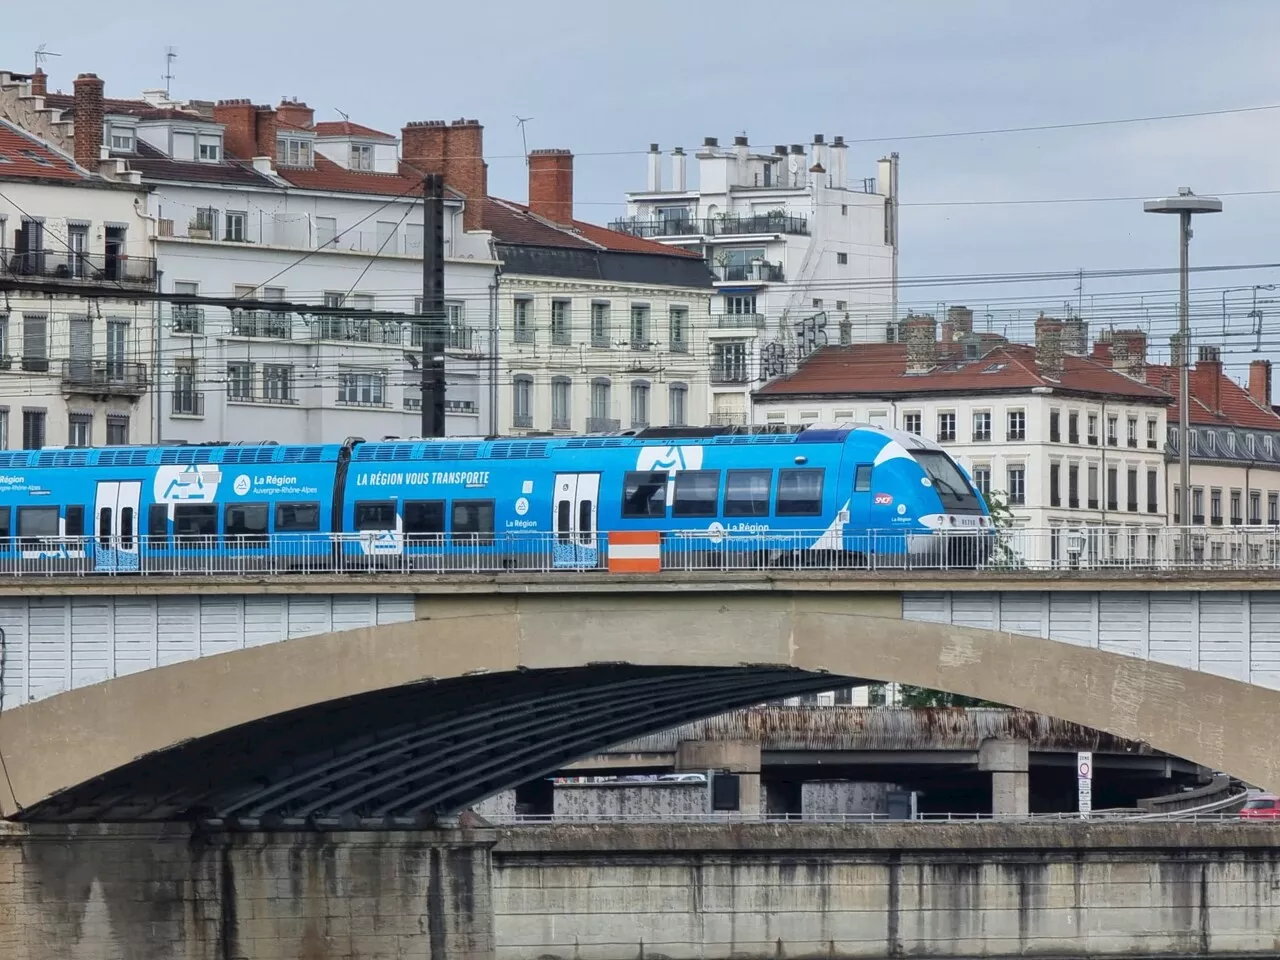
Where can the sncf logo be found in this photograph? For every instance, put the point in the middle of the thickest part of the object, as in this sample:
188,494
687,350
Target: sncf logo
884,499
672,459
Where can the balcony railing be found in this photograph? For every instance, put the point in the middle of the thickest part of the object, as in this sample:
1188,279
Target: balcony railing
78,268
740,321
760,270
188,403
261,323
188,320
728,419
729,373
603,425
118,377
722,226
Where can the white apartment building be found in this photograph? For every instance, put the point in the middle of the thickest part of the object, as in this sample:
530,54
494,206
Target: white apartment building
802,255
1070,442
74,370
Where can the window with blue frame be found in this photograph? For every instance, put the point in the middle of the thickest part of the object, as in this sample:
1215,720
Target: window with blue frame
644,494
473,521
800,492
245,524
194,521
746,493
297,517
157,526
862,478
375,515
424,519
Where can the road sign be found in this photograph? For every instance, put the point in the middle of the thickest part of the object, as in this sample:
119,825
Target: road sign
1084,781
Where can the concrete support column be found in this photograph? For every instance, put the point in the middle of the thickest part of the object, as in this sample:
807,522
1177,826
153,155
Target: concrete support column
1007,761
741,757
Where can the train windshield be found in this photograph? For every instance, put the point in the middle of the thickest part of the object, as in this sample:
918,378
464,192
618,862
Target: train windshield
949,483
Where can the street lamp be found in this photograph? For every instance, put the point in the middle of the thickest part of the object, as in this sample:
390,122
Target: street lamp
1186,205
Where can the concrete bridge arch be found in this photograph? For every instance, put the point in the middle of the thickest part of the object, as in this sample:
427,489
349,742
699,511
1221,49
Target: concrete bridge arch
480,692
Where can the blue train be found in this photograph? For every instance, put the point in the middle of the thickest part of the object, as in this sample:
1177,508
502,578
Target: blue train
822,495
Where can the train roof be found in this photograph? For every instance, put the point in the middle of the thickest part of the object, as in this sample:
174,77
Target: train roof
455,448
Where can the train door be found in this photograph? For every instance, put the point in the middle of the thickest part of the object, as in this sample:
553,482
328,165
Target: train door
115,525
575,506
865,514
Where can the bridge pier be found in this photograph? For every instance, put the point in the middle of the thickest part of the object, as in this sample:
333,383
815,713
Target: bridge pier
166,891
1008,762
740,757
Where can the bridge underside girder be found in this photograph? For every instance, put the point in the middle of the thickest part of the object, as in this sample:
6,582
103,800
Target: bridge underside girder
413,753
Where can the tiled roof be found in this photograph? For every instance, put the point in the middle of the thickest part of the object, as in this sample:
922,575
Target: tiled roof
345,128
135,108
879,369
514,223
154,165
24,156
327,175
1238,408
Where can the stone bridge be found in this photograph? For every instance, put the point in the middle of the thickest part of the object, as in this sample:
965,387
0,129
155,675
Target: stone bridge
333,699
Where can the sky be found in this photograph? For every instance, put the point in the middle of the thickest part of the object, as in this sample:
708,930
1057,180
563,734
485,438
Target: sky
605,79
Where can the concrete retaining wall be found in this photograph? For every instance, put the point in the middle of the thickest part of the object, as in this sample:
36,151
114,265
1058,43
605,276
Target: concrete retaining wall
622,799
844,797
760,891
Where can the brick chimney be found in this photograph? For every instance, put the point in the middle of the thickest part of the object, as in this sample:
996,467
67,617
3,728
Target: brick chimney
551,184
1049,355
1129,352
1103,350
958,324
1207,386
456,152
250,130
1260,382
295,113
88,120
39,83
921,334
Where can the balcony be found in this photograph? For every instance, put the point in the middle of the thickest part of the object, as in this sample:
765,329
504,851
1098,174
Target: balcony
729,373
107,377
187,403
761,271
189,320
728,419
721,226
603,425
522,421
261,323
84,269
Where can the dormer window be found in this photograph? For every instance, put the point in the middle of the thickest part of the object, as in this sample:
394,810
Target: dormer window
121,139
210,148
294,152
361,156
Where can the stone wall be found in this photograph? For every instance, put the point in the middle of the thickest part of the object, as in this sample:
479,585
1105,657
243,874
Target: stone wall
750,891
622,799
164,894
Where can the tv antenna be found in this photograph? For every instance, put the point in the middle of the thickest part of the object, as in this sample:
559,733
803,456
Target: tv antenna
520,122
170,55
41,55
345,117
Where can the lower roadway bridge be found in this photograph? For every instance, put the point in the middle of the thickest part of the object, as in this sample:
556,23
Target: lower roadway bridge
397,698
1088,891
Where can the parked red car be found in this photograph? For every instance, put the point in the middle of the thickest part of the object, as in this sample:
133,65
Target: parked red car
1261,806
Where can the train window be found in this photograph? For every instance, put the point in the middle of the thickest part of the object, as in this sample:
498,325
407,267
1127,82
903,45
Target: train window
644,494
376,515
4,523
245,524
191,521
584,521
74,526
297,517
104,528
126,528
473,520
862,478
800,492
746,493
158,526
423,517
697,493
35,523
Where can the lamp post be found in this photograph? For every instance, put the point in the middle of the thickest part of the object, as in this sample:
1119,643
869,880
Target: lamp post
1186,205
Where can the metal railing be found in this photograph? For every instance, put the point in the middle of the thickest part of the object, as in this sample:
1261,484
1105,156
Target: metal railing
188,319
603,425
762,270
750,548
725,225
66,265
188,403
261,323
740,321
117,377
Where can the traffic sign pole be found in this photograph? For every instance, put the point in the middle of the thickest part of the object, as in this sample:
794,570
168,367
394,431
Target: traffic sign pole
1084,782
